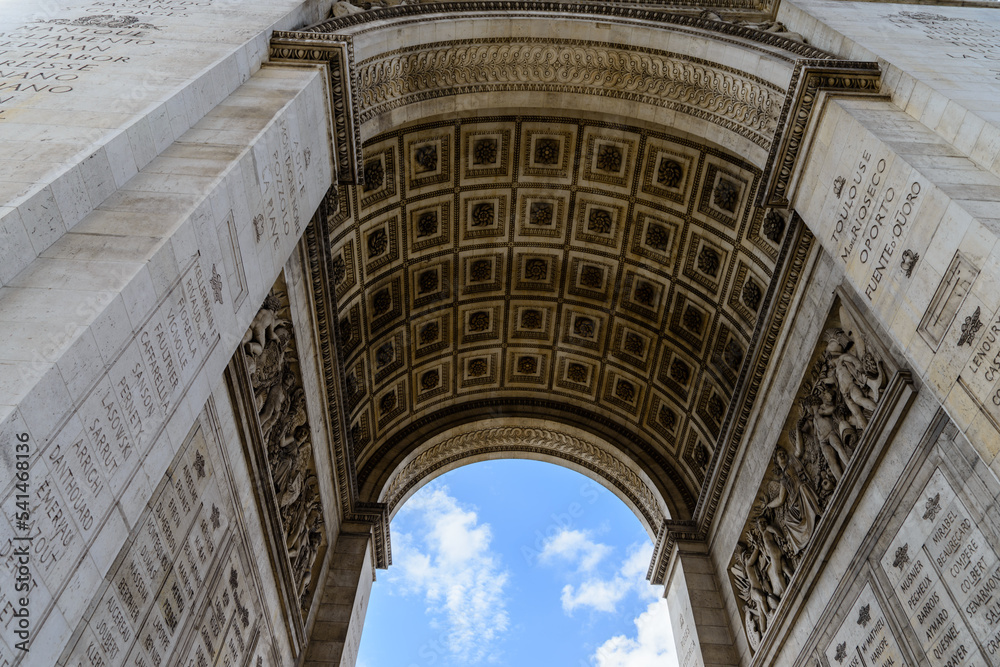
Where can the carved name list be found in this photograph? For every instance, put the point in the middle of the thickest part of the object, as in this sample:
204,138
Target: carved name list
89,463
873,214
946,577
179,592
865,638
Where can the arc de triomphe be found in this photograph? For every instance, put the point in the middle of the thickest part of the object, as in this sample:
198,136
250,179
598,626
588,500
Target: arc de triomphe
266,268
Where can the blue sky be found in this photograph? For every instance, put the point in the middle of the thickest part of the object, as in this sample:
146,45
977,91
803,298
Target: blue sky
516,563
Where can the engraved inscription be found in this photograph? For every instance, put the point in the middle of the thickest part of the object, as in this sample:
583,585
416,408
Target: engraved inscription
181,576
950,587
865,637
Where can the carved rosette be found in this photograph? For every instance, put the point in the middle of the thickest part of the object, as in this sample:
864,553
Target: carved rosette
288,481
533,440
833,408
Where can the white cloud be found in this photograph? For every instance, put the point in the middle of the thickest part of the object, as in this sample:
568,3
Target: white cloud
653,646
450,563
574,545
635,567
596,594
605,594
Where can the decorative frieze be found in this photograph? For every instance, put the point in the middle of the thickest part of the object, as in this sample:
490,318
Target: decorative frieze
735,100
833,408
267,381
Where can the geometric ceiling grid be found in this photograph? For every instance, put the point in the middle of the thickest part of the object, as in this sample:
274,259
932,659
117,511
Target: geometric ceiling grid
604,266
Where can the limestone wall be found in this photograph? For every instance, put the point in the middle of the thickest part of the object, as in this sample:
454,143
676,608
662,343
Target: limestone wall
911,223
901,195
168,215
91,92
844,570
904,227
940,63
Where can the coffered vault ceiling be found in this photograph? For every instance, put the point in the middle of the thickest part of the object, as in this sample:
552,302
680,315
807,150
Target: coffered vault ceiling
550,264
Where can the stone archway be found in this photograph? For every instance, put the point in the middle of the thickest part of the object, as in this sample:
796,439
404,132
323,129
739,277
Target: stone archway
534,440
697,620
558,224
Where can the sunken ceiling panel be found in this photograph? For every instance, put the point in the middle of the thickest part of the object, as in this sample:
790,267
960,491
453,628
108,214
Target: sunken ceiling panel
608,267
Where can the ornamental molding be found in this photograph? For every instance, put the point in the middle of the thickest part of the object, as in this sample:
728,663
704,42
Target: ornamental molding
506,9
316,249
337,56
504,439
810,81
734,100
368,476
789,269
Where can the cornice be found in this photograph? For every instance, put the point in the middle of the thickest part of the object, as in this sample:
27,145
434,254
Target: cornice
337,55
810,79
547,10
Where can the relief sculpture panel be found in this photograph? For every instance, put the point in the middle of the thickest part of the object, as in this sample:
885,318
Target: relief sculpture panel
267,382
833,407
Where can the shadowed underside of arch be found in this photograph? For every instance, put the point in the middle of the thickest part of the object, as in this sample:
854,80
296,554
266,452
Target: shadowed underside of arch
550,265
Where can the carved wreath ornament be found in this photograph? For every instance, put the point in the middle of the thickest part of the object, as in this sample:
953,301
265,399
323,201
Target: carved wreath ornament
650,77
542,441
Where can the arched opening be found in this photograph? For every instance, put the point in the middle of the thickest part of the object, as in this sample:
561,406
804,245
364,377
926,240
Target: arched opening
514,561
533,439
663,560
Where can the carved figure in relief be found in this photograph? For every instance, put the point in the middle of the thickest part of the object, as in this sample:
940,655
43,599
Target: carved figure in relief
279,398
835,405
795,503
855,379
773,27
818,417
759,603
289,470
304,538
306,557
346,8
775,564
860,373
264,326
272,398
305,514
